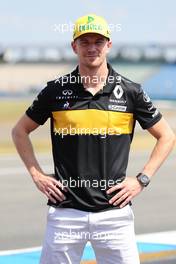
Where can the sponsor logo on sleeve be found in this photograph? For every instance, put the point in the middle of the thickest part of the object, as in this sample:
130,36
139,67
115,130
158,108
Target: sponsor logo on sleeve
155,113
146,98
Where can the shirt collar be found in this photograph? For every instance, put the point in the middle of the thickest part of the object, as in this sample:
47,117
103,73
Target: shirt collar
111,80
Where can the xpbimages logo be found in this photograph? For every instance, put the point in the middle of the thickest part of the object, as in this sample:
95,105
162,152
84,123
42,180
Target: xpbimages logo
87,183
83,235
70,27
103,132
62,80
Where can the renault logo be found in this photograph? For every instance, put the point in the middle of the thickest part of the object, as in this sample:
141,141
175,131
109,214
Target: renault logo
118,91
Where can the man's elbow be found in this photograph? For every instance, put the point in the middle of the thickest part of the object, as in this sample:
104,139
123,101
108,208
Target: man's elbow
170,138
17,132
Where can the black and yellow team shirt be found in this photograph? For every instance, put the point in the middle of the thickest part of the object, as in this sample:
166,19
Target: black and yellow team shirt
91,135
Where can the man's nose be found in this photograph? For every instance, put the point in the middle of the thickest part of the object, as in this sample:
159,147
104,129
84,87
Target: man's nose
91,47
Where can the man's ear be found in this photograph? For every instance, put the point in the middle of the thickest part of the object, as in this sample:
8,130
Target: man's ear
73,44
109,45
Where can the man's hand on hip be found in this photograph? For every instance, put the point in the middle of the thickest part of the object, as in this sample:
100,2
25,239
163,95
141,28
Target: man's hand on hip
127,190
50,187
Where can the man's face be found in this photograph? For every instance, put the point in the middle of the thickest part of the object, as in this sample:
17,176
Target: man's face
91,49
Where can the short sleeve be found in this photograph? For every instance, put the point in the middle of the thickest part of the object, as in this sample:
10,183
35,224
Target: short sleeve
39,110
145,112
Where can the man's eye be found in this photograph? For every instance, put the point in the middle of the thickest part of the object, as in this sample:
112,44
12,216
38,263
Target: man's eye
99,42
83,42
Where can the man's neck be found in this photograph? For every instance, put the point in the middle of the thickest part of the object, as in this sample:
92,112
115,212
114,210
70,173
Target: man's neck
93,78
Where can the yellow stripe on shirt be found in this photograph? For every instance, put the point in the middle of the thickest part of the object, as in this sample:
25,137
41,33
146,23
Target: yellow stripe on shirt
92,121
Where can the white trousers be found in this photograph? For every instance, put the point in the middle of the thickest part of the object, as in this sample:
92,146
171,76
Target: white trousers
111,234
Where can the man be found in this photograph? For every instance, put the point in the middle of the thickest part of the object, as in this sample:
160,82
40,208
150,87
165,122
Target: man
93,112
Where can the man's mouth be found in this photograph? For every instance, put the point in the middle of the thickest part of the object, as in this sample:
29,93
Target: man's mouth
92,56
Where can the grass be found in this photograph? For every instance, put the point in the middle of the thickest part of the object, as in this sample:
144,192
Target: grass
11,110
7,147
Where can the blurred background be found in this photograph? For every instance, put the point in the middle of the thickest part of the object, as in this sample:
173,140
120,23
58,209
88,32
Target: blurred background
35,47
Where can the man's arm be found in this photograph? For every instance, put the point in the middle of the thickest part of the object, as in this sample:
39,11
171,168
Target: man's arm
165,142
130,187
45,184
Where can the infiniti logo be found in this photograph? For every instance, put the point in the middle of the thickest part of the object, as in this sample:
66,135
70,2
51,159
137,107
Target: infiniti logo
65,92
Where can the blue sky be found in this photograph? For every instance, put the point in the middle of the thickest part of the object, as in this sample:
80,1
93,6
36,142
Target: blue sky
38,22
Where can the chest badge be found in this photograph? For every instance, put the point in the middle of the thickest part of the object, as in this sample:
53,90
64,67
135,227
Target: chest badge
118,91
66,105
